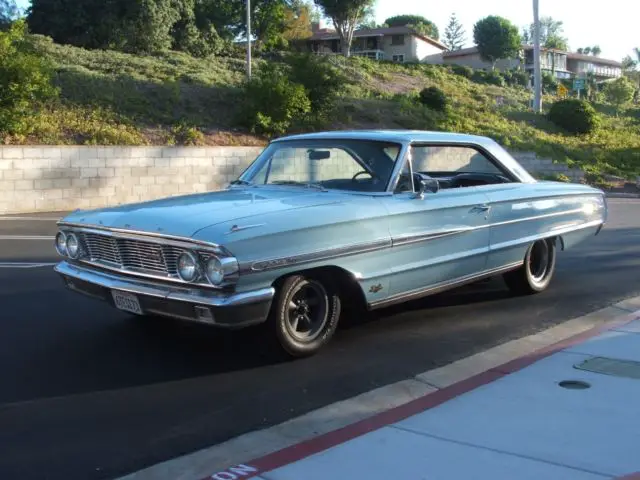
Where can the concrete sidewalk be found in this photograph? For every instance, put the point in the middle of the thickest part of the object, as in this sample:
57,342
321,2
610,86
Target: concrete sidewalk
568,411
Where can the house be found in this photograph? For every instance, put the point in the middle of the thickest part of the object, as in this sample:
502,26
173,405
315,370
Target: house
563,64
398,44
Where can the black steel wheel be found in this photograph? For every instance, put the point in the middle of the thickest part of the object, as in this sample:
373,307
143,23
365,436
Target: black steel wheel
537,271
305,314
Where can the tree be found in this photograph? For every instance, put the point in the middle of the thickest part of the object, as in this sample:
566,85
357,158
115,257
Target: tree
345,15
548,28
298,22
454,34
9,12
620,92
419,23
595,51
496,38
368,18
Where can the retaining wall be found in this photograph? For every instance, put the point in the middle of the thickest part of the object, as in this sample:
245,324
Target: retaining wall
47,179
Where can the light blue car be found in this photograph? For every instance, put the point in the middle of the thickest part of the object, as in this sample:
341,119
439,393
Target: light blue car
319,221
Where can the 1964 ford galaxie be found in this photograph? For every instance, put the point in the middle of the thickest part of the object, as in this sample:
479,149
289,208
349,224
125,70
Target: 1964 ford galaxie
318,220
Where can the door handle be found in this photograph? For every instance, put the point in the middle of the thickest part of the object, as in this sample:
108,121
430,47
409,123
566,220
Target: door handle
481,208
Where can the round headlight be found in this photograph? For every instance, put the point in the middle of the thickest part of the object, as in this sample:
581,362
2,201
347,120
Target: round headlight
215,271
61,244
73,246
188,267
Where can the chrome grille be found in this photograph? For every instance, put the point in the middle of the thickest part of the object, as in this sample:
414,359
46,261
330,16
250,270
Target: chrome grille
131,254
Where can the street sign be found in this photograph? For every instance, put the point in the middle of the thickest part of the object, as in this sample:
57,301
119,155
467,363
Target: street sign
563,91
578,84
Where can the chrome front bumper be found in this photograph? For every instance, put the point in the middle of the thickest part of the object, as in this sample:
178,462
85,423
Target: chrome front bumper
224,309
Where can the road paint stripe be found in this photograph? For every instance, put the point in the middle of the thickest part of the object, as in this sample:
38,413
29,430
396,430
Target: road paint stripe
27,237
26,264
35,219
333,424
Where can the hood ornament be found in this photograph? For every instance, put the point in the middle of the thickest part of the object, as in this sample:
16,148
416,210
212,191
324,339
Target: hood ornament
238,228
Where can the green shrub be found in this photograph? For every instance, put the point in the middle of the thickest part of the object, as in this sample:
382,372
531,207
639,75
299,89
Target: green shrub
488,78
549,83
516,78
575,116
25,81
434,98
462,70
321,79
273,102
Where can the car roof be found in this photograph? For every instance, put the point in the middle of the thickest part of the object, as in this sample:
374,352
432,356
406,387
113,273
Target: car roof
402,136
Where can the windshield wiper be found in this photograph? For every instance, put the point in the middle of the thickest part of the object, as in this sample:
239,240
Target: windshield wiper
241,182
298,184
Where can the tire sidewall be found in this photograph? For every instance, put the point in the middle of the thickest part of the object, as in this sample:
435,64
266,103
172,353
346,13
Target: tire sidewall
539,286
287,341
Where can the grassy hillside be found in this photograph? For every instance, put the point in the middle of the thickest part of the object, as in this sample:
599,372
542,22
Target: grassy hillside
115,98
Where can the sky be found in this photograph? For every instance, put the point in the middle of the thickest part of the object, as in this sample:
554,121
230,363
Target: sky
612,24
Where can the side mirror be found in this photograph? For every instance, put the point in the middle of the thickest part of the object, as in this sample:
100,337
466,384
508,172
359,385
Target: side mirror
426,185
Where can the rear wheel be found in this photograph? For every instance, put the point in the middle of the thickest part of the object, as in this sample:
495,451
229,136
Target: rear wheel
304,314
538,269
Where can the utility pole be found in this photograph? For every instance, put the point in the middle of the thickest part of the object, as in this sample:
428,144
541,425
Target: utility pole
248,39
537,75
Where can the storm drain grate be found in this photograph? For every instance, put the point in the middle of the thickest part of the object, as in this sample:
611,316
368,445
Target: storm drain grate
611,366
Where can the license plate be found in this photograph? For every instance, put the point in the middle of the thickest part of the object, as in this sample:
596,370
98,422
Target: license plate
127,302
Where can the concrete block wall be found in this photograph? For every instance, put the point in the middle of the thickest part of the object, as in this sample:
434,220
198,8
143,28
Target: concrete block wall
537,166
46,179
42,179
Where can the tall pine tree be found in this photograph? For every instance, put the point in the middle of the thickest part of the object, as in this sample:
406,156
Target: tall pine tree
454,34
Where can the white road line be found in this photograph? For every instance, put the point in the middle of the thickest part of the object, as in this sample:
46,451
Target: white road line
35,219
26,237
25,265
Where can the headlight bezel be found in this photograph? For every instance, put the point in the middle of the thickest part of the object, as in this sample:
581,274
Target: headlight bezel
62,250
78,253
197,266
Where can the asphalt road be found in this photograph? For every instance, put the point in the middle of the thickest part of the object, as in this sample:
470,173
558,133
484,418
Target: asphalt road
87,392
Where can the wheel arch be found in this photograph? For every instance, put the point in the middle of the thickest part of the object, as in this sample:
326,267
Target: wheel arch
347,281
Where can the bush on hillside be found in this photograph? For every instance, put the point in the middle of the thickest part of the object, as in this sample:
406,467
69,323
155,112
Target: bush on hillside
25,81
516,78
273,102
575,116
462,70
488,78
549,83
322,80
434,98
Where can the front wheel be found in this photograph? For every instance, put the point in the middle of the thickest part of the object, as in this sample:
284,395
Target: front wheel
304,314
538,269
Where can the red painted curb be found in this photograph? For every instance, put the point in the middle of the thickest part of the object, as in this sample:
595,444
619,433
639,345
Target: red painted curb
328,440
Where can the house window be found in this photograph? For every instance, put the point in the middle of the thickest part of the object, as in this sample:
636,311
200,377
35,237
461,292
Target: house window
398,58
397,39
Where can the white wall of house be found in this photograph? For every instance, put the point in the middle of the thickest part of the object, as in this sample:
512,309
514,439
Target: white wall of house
406,49
424,49
473,60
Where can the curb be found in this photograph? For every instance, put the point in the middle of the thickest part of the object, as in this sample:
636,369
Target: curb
622,195
333,438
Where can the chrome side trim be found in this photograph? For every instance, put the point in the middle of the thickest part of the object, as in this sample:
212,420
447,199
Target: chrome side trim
190,295
409,239
541,236
441,287
275,263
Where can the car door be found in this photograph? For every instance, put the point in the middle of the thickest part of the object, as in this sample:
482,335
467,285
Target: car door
437,239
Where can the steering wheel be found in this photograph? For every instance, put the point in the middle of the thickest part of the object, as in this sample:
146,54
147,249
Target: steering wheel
372,175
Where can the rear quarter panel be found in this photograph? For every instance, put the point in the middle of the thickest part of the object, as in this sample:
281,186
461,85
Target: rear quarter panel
523,213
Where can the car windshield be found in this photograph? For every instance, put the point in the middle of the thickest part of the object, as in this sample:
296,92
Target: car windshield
353,165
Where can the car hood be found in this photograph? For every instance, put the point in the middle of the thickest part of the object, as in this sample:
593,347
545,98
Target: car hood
185,215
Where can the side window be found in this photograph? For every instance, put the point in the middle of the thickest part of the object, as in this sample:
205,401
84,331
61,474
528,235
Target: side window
452,160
